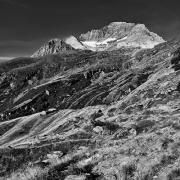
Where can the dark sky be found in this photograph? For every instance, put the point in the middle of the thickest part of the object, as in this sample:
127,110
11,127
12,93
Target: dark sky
26,24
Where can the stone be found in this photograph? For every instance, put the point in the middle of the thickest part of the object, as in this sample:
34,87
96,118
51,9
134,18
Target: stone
75,177
98,129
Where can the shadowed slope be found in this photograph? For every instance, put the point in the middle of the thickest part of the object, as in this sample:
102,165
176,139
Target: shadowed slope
134,136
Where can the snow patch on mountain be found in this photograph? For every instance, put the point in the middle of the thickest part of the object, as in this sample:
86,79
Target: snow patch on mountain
74,42
94,45
106,41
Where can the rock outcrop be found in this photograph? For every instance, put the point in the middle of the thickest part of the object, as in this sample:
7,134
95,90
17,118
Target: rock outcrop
54,46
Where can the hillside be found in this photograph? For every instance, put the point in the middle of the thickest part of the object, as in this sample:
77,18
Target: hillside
91,115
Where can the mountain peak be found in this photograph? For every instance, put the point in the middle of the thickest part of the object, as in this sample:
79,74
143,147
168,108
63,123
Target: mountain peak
120,34
111,37
113,30
53,46
121,24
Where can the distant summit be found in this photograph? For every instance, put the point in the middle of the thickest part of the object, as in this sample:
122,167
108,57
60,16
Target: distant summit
112,37
120,34
53,46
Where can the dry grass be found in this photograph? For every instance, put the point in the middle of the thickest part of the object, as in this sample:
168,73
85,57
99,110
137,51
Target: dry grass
30,173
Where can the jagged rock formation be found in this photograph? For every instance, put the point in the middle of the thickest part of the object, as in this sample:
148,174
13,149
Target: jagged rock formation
120,34
113,30
112,37
54,46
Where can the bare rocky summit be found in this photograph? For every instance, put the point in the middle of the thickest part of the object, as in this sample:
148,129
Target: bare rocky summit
113,30
92,115
112,37
53,46
120,34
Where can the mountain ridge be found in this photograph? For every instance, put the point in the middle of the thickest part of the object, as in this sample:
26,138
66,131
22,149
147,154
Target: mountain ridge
92,115
108,38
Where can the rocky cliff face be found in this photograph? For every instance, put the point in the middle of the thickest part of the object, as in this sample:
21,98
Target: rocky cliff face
113,30
118,34
112,37
54,46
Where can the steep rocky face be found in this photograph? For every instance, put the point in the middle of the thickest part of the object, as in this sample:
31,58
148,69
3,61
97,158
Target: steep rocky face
113,30
54,46
117,35
112,37
140,36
